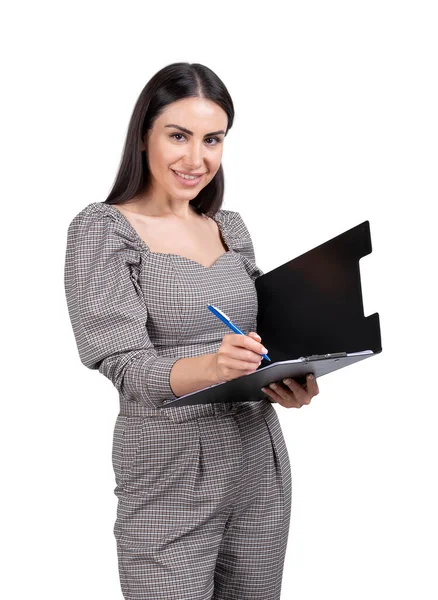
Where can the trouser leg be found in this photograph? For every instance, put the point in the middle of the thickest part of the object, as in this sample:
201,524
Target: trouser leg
252,551
176,488
204,506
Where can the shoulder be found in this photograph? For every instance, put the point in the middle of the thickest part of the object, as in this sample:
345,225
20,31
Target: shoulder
101,223
238,237
92,213
235,227
232,220
98,215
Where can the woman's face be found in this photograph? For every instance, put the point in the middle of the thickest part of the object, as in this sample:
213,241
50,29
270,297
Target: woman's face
170,148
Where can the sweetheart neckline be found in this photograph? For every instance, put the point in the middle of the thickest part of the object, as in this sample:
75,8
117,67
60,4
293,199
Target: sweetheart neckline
180,256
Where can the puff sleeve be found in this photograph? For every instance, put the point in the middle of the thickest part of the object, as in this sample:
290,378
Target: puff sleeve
242,243
107,308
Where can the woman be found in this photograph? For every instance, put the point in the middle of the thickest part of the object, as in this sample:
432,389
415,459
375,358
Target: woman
204,492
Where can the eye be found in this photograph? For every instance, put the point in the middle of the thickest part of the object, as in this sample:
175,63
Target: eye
175,134
218,140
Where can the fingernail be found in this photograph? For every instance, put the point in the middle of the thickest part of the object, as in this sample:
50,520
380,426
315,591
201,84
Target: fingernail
287,380
264,350
310,376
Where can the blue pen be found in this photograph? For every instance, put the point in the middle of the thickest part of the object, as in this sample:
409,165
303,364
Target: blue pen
223,317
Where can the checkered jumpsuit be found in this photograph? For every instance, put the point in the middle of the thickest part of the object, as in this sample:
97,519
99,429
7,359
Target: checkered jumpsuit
204,491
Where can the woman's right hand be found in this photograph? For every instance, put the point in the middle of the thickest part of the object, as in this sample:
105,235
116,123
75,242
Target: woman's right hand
238,355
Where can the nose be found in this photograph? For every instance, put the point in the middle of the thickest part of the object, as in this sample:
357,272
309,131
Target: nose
194,155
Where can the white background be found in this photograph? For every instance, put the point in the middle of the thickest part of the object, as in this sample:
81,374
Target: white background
336,123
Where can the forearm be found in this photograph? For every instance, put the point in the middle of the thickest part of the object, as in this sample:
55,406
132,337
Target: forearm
192,374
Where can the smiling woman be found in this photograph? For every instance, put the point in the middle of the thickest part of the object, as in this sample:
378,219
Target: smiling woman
204,491
190,157
176,126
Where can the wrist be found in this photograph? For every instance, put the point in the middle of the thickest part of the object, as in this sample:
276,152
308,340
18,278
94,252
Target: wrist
211,368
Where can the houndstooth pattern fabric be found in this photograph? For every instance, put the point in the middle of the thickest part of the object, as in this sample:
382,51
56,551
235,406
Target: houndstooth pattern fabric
204,491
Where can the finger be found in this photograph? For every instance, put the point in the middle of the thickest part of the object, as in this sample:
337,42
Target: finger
312,385
300,393
272,396
296,388
255,336
282,397
243,365
239,353
246,356
269,394
249,343
288,395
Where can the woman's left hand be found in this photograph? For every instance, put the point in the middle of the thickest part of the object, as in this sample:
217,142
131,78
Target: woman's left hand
291,394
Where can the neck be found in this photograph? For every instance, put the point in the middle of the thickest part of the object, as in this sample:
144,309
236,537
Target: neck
149,208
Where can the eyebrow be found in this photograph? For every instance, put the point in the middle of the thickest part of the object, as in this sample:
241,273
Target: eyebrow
191,132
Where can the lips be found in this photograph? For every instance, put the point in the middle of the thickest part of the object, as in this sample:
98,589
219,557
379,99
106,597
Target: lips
190,174
188,182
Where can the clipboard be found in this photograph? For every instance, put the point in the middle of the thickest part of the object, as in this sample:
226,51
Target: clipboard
310,307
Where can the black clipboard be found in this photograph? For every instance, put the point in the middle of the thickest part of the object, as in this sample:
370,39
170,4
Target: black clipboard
310,307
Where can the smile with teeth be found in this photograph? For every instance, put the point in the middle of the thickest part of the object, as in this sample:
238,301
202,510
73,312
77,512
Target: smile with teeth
187,176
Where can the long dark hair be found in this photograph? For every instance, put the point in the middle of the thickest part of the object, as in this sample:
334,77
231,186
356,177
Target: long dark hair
173,82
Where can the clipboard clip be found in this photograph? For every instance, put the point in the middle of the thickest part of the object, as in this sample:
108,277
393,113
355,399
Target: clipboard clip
323,356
